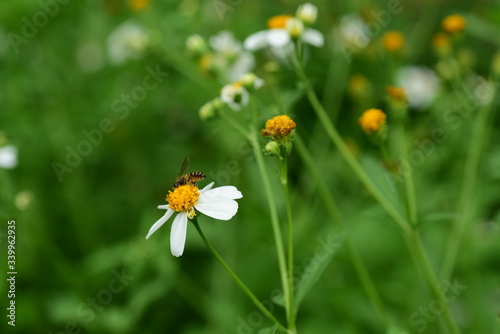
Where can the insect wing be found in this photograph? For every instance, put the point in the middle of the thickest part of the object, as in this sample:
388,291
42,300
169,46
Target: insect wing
184,167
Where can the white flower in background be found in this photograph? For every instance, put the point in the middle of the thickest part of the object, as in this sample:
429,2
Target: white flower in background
278,36
307,13
230,57
420,83
235,95
8,157
218,203
352,32
128,41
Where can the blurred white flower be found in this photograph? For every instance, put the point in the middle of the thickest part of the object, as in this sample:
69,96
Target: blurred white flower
8,157
218,203
278,36
230,57
420,83
352,32
235,95
128,41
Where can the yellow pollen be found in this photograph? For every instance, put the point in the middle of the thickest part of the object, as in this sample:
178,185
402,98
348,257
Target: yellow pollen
279,126
183,199
397,93
454,23
393,40
372,120
138,5
237,84
278,22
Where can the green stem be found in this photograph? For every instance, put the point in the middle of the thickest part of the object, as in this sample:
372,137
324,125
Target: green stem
347,155
411,201
466,193
238,281
251,135
417,248
284,182
336,219
280,250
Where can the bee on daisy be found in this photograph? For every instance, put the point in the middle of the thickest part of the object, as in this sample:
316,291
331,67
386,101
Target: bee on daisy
186,199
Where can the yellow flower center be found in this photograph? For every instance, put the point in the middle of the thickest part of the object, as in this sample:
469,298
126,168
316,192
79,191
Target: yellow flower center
372,120
358,83
396,93
138,5
278,22
279,126
454,23
183,199
440,40
393,40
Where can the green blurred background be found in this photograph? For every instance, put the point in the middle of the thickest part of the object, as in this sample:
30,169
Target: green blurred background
77,233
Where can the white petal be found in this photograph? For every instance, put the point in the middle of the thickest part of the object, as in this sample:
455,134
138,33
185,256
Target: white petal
178,234
164,207
207,188
160,222
225,191
313,37
221,208
278,38
256,41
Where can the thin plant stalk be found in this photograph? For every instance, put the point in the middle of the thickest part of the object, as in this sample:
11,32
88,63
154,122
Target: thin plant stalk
348,157
468,184
235,277
333,212
415,245
284,182
411,201
251,135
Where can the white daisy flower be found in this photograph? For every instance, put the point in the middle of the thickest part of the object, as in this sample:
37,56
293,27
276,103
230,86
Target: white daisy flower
218,203
420,83
127,41
352,32
278,36
235,95
230,56
8,157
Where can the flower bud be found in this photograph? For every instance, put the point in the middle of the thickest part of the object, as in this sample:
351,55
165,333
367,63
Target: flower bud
272,148
307,13
196,45
251,82
207,111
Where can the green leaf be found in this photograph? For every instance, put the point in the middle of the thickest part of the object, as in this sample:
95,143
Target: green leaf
270,330
279,299
323,255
